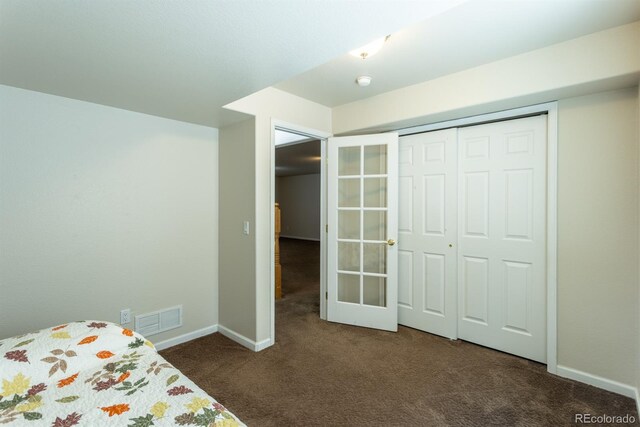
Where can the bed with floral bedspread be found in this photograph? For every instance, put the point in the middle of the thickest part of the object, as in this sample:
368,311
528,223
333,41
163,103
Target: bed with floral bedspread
98,374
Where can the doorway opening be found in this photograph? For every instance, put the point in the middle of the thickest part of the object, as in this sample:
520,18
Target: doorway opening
298,196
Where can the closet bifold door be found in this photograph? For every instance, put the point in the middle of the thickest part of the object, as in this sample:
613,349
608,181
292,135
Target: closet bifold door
427,227
502,236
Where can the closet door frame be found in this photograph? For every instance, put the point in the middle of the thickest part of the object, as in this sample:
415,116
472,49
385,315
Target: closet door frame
551,109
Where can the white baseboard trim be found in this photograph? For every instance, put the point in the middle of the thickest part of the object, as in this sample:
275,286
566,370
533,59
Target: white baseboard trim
162,345
600,382
266,343
244,341
312,239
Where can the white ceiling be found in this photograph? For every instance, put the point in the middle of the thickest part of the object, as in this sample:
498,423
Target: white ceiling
184,59
474,33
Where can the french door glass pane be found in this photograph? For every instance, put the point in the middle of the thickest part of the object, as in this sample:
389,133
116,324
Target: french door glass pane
349,288
349,161
375,225
375,257
349,256
375,160
374,291
349,225
349,192
375,192
362,203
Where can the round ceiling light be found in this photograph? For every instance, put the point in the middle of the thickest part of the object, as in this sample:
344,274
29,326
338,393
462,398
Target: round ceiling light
363,81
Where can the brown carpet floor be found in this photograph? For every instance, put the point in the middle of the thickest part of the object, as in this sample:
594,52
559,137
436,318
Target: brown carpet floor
326,374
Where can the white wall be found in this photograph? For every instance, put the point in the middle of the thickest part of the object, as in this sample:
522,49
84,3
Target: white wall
103,209
268,105
299,198
237,250
598,219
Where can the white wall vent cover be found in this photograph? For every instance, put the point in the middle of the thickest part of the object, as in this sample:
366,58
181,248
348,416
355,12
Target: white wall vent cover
159,321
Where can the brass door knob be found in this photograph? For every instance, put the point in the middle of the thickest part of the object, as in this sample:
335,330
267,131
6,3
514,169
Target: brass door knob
391,242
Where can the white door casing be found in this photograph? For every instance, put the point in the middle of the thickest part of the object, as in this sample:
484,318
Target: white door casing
502,236
427,297
362,223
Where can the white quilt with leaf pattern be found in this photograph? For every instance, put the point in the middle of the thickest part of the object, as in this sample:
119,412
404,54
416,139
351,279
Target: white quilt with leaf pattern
98,374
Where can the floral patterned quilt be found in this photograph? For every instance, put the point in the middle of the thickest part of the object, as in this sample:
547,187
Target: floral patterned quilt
98,374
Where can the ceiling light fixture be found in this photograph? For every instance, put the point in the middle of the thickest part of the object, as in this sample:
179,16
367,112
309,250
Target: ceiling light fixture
363,81
367,51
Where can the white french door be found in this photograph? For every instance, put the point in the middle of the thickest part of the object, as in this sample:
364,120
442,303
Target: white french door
362,222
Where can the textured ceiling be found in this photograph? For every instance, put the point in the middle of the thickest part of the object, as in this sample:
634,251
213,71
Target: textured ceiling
474,33
184,59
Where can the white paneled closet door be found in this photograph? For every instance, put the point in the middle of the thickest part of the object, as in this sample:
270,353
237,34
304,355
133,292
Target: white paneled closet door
472,234
427,232
502,236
